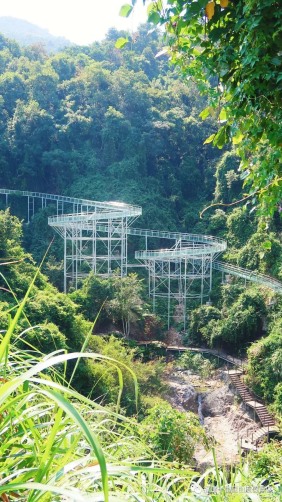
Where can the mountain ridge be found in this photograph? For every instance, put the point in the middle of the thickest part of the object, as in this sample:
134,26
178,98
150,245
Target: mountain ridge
26,33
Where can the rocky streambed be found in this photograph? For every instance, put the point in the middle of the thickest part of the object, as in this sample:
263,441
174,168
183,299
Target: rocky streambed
219,411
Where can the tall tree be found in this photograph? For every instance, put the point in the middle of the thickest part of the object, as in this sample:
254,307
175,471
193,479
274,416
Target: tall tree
233,50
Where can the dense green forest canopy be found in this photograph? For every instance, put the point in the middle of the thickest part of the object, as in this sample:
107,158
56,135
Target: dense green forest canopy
83,121
233,51
104,124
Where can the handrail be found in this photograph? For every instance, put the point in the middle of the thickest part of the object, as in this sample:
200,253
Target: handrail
249,275
117,206
186,245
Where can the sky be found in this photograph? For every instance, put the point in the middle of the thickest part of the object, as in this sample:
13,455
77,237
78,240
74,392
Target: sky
80,21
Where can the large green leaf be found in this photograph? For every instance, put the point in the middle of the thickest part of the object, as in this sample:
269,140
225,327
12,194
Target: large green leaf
125,10
121,42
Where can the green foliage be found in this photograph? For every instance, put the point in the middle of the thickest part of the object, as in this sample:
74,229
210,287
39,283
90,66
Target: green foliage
199,318
240,226
228,183
234,56
195,363
45,338
265,365
83,449
92,295
267,463
94,380
278,395
57,308
262,252
11,234
217,223
126,304
172,434
239,321
107,124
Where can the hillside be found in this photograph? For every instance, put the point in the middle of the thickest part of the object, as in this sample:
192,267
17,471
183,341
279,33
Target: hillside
103,124
26,33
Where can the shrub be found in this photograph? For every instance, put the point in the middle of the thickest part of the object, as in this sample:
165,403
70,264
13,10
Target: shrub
267,463
46,338
172,434
196,363
265,365
200,317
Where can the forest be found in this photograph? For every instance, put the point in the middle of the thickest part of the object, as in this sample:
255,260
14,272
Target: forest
85,412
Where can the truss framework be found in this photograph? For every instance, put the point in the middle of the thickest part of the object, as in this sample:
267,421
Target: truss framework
95,236
179,274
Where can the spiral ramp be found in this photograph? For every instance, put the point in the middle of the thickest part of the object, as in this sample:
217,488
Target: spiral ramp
96,234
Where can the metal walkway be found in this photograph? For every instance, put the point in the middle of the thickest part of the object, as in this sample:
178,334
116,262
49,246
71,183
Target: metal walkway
95,236
249,275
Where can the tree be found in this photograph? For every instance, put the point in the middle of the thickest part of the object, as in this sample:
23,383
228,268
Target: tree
232,49
127,303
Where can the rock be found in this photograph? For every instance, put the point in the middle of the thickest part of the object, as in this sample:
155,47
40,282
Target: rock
191,404
215,402
223,419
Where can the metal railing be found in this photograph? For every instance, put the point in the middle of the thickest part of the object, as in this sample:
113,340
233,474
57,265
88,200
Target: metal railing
249,275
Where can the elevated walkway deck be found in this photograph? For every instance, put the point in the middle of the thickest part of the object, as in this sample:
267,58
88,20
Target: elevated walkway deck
249,275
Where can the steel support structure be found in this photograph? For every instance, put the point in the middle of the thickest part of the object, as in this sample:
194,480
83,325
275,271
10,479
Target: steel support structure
95,236
179,275
87,248
94,241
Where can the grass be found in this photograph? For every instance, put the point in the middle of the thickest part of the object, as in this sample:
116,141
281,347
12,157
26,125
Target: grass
57,445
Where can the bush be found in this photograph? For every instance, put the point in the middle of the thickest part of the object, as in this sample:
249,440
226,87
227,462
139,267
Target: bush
98,381
267,463
240,322
90,298
196,363
278,397
265,365
172,434
200,317
46,338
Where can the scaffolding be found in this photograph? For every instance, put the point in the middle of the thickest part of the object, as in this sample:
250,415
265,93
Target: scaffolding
95,242
182,272
94,233
95,236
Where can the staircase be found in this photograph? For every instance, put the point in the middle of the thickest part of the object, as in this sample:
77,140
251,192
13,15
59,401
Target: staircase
235,377
264,416
267,421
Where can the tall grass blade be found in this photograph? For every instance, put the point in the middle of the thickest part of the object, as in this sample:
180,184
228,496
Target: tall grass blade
6,340
93,441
